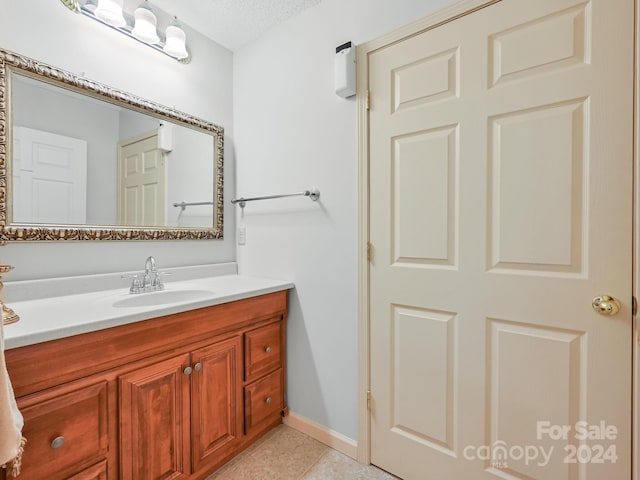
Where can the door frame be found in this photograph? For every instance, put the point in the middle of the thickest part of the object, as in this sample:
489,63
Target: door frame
635,432
431,21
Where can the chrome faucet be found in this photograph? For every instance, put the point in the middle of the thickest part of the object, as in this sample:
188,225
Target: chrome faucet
150,265
150,273
148,281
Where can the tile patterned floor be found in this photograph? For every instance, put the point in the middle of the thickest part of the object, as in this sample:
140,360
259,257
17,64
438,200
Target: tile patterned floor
287,454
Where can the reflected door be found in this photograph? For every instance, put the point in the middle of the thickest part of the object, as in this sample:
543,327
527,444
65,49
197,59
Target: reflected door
142,183
49,178
500,206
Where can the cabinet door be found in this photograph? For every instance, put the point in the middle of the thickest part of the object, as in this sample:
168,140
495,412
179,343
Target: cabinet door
154,421
216,402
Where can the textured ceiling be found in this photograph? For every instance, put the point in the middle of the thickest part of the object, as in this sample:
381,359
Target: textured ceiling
233,23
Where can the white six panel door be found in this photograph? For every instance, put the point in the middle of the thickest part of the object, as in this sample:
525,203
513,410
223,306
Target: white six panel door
142,183
49,178
500,206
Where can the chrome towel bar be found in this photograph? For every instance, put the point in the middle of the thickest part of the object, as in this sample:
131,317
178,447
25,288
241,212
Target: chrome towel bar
313,194
184,205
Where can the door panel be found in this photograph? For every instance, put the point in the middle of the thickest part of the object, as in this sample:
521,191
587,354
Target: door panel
424,197
538,154
500,205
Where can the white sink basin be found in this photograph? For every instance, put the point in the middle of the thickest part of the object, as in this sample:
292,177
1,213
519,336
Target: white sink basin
163,297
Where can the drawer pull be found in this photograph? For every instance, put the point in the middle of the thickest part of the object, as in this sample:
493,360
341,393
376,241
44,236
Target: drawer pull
268,349
268,401
188,370
197,367
57,442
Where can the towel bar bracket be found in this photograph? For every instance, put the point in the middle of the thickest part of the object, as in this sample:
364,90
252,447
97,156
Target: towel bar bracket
184,205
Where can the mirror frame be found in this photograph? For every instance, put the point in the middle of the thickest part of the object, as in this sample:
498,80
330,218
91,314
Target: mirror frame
13,62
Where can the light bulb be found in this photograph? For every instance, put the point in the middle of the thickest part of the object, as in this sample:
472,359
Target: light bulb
91,6
145,26
176,41
110,11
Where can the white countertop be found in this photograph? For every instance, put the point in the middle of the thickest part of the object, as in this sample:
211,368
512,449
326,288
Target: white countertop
50,318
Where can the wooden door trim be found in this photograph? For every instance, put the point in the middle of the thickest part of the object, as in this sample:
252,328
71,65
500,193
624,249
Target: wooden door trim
635,369
431,21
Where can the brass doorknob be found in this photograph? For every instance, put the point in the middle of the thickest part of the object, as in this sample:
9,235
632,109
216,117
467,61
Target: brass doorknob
606,305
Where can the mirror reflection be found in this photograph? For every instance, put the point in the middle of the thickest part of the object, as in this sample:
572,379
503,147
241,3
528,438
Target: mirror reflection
80,160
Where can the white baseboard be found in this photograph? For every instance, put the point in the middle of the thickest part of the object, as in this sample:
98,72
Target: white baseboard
332,439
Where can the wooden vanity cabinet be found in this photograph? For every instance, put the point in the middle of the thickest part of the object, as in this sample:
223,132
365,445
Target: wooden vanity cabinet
169,398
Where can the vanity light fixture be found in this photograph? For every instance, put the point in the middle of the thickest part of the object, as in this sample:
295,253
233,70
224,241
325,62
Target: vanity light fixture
145,24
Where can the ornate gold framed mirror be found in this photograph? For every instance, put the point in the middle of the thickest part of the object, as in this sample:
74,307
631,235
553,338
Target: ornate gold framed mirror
80,160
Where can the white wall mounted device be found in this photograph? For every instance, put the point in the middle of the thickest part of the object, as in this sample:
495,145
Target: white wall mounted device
345,70
165,137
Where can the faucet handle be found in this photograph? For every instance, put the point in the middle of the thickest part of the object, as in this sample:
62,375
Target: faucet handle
157,280
136,282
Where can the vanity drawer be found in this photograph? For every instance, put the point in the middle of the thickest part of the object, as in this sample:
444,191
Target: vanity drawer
64,431
262,399
262,351
96,472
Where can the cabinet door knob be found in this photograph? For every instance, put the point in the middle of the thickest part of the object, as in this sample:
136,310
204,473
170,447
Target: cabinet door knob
268,349
197,367
57,442
188,370
268,401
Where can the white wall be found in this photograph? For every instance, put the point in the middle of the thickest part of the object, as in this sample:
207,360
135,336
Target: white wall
49,32
192,151
292,132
